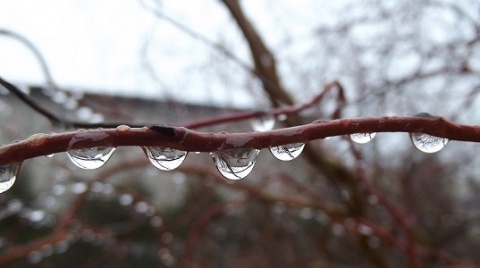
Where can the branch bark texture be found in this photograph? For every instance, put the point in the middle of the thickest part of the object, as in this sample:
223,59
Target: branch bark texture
189,140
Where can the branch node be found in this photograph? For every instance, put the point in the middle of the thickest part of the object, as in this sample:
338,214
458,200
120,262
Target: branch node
164,130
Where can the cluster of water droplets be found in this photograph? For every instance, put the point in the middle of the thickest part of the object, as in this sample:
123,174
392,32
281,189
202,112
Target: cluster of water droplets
71,101
165,158
235,164
90,158
423,142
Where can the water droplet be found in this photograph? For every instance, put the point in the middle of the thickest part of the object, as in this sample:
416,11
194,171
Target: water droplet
57,189
282,117
235,164
47,250
287,152
122,128
61,247
78,188
263,123
362,138
306,213
156,221
365,230
14,206
36,215
141,207
34,257
125,200
8,174
84,113
90,158
59,97
165,158
427,143
70,104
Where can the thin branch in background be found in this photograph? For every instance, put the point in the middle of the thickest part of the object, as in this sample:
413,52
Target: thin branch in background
402,219
34,50
53,118
63,228
287,110
266,80
200,224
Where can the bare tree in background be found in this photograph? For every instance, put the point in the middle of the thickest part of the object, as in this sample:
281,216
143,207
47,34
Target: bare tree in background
382,204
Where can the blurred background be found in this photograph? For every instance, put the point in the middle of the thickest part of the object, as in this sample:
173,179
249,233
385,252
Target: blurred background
339,204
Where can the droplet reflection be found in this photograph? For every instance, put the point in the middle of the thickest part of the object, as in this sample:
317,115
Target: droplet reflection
8,174
165,158
235,164
264,123
287,152
90,158
428,143
362,138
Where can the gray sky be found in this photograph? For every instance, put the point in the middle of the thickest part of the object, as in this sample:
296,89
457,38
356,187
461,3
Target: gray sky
98,45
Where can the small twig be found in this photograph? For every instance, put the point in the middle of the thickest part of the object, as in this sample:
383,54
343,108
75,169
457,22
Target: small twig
199,225
400,217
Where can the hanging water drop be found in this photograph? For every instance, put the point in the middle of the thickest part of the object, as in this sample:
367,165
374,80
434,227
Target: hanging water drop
287,152
8,174
165,158
90,158
428,143
263,123
362,138
282,117
235,164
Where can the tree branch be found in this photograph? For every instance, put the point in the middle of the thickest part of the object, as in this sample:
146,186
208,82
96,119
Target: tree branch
264,60
189,140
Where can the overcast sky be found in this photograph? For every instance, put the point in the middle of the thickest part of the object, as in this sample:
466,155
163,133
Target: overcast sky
92,44
98,44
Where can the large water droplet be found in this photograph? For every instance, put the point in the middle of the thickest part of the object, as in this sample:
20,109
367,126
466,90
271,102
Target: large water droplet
362,137
8,174
235,164
90,158
287,152
165,158
428,143
263,123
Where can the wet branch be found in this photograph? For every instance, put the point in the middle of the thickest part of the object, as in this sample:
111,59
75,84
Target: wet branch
189,140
